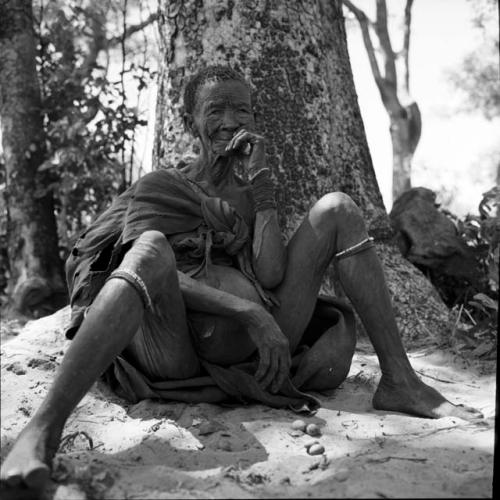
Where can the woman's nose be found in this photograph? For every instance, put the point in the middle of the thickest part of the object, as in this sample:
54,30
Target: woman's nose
230,120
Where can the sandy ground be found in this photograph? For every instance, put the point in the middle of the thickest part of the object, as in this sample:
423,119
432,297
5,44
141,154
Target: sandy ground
112,450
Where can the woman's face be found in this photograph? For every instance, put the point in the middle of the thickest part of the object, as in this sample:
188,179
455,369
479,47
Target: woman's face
222,108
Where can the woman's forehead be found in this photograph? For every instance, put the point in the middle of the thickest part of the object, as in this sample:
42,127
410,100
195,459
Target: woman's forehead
226,90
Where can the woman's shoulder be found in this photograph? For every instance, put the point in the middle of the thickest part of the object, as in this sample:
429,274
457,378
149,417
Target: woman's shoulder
162,179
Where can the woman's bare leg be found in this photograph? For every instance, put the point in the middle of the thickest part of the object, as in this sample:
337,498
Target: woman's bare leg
309,253
108,328
334,224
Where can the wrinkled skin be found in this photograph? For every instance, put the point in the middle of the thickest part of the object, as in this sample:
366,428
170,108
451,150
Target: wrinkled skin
224,123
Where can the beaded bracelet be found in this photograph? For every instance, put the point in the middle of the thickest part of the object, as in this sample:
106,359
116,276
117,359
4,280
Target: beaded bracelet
263,191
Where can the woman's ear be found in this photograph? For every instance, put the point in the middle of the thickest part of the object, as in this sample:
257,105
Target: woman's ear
189,124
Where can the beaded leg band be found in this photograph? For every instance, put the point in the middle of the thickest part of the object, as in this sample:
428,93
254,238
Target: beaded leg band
136,281
359,247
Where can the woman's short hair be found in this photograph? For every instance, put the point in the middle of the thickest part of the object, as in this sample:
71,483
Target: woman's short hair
216,73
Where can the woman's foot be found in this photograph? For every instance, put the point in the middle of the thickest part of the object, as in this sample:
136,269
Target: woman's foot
414,397
26,467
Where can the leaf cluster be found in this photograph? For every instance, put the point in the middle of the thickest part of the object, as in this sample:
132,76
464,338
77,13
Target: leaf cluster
476,322
478,75
89,126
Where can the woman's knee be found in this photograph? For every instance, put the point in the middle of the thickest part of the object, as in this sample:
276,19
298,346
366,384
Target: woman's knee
336,209
152,258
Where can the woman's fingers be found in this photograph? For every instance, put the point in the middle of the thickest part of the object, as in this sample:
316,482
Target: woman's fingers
280,374
231,145
274,367
285,361
274,352
271,372
238,141
240,138
264,361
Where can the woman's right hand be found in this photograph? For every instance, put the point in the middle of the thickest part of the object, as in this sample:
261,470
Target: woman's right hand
273,348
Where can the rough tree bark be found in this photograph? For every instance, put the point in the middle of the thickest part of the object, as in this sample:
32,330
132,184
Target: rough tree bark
403,111
36,283
295,56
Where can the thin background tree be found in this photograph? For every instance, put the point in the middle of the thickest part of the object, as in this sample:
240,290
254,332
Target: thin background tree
391,72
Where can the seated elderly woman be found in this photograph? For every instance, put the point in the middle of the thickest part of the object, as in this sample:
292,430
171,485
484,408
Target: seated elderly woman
184,290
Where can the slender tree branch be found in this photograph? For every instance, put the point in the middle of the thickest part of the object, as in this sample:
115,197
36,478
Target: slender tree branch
406,44
116,40
387,83
99,42
385,43
123,95
97,20
43,76
364,23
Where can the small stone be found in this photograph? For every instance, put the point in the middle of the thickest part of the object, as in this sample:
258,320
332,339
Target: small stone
69,492
104,478
299,425
341,474
296,433
310,443
44,364
224,444
16,368
316,449
209,427
313,430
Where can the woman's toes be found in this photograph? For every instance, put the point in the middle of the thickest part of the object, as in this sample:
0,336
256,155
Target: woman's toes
13,478
37,476
466,412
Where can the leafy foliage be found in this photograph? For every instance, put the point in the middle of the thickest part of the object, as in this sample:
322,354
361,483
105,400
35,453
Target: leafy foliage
478,75
476,323
89,125
91,64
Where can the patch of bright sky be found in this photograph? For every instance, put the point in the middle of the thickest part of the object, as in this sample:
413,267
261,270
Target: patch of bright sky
458,153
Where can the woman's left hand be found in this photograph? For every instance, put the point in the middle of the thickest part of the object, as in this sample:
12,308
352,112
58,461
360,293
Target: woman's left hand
250,147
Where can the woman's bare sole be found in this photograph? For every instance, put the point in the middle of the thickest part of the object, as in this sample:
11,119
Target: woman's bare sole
419,399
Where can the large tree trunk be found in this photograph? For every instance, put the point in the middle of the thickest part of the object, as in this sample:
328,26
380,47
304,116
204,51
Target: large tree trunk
36,283
295,56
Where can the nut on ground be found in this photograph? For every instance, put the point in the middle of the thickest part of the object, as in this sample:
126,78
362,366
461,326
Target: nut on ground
313,430
316,449
310,443
299,425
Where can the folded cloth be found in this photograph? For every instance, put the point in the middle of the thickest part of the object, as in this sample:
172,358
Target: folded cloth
166,201
332,318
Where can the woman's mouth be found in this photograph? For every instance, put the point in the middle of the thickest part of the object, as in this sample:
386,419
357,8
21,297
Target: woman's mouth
219,146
